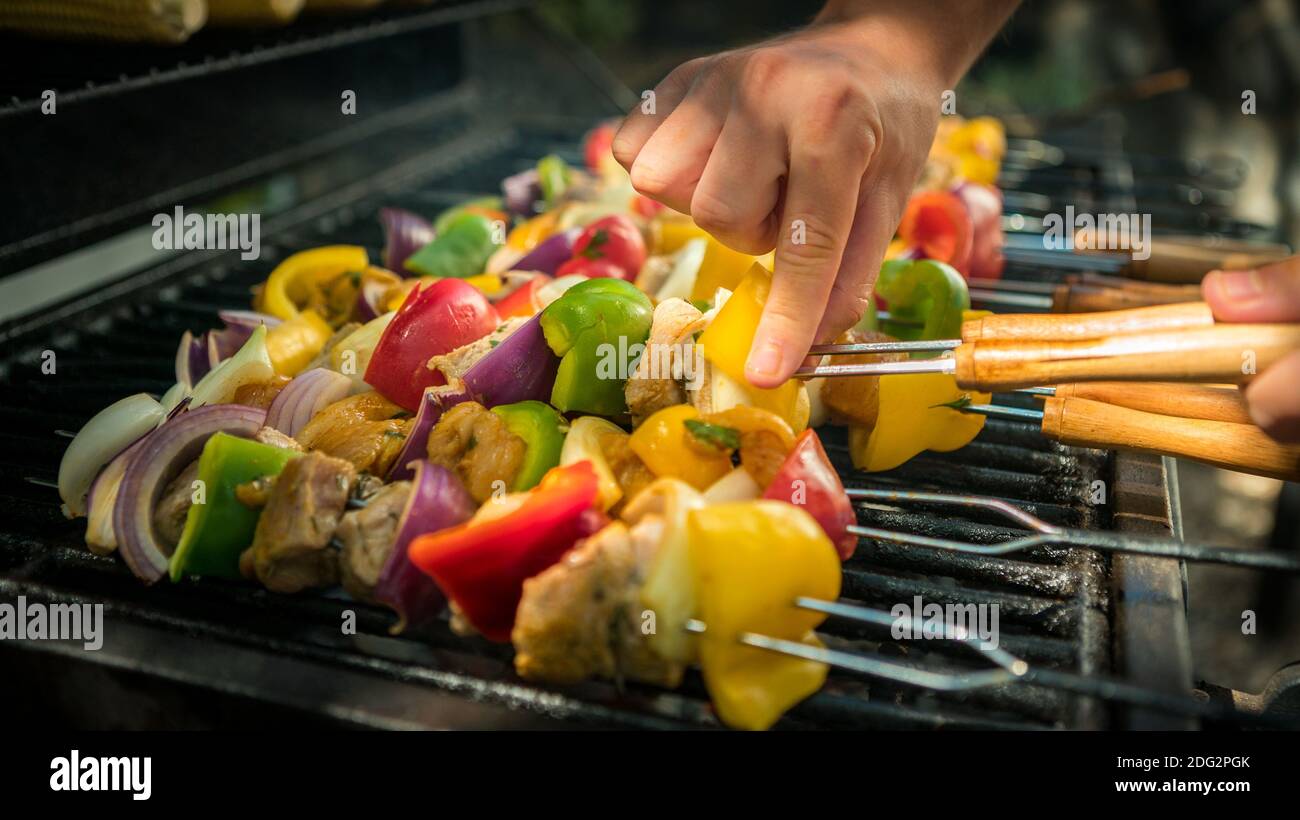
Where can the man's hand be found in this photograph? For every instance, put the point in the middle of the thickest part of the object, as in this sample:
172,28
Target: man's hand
809,143
1269,294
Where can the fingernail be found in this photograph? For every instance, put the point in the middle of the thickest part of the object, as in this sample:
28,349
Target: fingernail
764,361
1241,285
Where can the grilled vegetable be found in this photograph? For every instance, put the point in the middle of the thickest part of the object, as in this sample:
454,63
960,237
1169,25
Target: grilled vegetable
437,501
290,285
926,299
727,339
111,431
542,430
750,562
482,564
459,250
404,234
917,413
672,450
219,528
937,224
807,479
592,328
156,462
435,319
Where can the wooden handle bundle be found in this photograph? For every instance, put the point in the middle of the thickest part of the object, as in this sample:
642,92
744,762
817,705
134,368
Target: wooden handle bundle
1050,326
152,21
1217,354
1244,447
1189,401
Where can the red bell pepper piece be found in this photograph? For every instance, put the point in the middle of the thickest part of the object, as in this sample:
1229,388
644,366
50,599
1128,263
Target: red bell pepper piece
482,564
432,320
808,479
522,301
939,225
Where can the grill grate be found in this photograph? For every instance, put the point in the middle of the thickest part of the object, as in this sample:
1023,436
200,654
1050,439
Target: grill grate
1055,604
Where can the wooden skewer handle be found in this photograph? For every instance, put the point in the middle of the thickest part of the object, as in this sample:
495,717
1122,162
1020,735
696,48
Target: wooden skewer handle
1189,401
1177,262
1048,327
1242,447
1085,298
1219,354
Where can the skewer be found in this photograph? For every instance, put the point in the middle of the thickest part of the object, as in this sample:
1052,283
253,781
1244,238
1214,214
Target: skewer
1010,669
1178,343
1170,258
1045,534
1083,292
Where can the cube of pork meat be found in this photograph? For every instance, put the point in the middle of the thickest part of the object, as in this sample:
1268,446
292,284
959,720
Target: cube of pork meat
174,505
582,617
653,386
367,537
291,548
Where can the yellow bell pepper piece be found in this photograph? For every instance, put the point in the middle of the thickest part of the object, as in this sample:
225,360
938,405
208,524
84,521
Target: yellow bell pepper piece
293,343
488,283
529,233
722,268
913,419
669,232
664,444
290,284
727,339
751,560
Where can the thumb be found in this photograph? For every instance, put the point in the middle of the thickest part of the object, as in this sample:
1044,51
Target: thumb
1268,294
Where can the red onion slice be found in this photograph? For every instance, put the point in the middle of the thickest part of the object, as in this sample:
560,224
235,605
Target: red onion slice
304,397
404,234
436,401
521,367
550,253
160,457
438,500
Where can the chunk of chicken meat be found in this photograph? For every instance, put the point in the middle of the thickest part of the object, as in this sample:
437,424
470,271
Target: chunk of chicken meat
364,430
856,399
473,442
260,394
581,617
454,364
291,548
668,360
367,537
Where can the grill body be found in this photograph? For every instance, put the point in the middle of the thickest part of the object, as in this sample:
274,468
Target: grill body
222,654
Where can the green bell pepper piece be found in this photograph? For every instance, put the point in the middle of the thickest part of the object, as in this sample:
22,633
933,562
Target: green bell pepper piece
444,219
459,251
553,177
543,430
593,328
928,297
220,528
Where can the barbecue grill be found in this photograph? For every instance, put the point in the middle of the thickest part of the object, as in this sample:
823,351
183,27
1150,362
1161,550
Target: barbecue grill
1108,631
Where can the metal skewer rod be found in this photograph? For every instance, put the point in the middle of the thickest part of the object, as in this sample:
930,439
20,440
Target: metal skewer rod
1010,668
1046,534
1010,298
